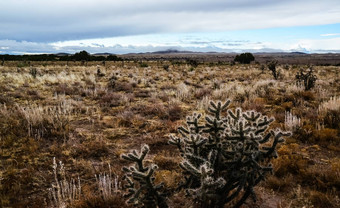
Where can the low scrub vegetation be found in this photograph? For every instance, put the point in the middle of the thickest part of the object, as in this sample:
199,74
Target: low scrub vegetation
226,153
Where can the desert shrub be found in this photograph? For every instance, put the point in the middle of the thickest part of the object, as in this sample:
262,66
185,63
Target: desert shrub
166,67
112,81
174,112
123,86
110,99
94,200
156,109
142,93
5,99
192,62
203,92
35,95
93,148
282,184
291,161
320,199
244,58
36,121
306,95
143,64
304,133
332,119
11,122
325,137
63,88
125,118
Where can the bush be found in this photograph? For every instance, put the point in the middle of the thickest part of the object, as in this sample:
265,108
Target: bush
143,65
244,58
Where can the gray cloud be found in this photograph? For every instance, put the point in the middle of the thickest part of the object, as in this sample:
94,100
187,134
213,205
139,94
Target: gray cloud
50,21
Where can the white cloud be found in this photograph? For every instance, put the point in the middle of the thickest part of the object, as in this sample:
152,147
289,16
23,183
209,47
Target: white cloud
48,21
330,34
150,43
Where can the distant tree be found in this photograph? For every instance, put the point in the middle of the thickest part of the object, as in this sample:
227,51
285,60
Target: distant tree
244,58
82,56
193,63
113,58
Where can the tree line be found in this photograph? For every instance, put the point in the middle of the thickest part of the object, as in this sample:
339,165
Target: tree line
80,56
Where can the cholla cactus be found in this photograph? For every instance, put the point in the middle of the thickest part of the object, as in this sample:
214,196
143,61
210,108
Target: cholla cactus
308,79
272,67
227,156
33,72
140,181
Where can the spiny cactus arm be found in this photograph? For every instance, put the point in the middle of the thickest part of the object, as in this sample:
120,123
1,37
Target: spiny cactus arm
265,138
133,193
140,176
261,130
183,131
195,140
277,139
194,160
255,140
138,158
230,188
251,116
194,143
240,130
134,198
192,122
235,116
212,157
177,142
213,125
186,165
265,121
216,109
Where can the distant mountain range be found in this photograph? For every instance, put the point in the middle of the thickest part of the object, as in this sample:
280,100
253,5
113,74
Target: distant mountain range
175,51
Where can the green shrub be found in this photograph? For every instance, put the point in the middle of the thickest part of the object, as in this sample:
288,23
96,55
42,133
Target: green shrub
244,58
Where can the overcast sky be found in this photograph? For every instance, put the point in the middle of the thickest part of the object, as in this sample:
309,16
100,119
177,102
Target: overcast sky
123,26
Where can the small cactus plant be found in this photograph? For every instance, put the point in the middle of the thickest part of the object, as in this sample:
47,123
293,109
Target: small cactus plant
225,158
140,181
272,67
33,72
307,78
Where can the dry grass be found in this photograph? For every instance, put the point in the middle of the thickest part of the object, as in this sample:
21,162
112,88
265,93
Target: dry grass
87,121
